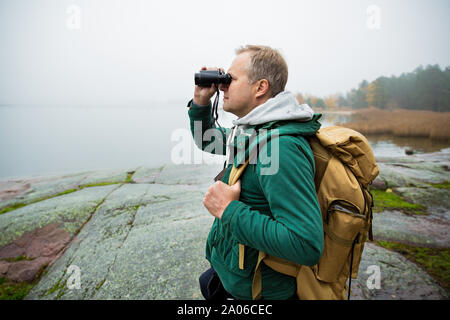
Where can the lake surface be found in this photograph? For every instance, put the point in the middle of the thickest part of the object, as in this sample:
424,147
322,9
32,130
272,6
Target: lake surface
50,140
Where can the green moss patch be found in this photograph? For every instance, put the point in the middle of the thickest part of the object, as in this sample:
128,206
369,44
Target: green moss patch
129,175
88,185
435,261
13,207
20,205
18,258
443,185
99,184
390,201
10,290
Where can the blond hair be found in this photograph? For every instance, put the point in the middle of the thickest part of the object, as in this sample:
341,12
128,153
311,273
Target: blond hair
266,63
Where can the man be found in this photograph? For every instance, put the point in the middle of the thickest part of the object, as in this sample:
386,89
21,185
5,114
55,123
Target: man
277,213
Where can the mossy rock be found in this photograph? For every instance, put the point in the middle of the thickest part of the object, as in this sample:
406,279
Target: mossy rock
389,200
436,261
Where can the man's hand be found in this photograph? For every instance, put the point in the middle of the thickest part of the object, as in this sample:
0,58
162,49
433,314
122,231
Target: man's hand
202,95
219,196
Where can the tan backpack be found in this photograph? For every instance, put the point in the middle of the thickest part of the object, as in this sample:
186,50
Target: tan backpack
345,166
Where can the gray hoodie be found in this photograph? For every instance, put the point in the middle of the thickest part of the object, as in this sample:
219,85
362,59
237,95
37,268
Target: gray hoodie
284,106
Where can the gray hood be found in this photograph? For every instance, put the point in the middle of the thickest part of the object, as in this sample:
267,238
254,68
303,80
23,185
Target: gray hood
284,106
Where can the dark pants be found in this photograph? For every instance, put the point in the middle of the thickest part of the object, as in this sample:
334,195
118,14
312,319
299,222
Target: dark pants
213,290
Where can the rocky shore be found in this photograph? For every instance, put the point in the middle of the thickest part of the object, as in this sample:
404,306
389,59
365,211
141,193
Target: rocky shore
139,233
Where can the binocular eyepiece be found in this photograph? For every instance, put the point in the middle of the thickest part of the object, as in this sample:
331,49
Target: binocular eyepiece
205,78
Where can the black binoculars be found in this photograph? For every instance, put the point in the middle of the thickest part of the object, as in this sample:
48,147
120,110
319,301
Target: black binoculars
205,78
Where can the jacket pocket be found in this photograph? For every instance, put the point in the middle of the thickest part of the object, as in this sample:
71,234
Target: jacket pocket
250,256
226,253
342,227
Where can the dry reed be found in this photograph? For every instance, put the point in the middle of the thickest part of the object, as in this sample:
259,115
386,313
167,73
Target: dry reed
402,122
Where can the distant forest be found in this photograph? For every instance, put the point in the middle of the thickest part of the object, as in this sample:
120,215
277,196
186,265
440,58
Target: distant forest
423,89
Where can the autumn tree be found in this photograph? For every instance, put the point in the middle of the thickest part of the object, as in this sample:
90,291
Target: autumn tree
300,98
330,101
376,95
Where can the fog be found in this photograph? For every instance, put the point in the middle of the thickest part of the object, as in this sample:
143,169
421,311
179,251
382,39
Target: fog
101,53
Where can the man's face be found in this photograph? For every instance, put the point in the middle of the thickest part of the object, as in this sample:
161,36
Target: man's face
239,94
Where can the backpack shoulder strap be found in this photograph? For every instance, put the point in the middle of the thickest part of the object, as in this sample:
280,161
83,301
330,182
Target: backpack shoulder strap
235,174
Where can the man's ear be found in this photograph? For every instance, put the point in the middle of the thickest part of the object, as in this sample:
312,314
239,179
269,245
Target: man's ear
262,88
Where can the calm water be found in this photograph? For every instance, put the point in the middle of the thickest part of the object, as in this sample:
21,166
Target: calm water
45,140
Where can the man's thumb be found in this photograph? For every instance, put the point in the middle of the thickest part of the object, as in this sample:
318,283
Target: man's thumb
237,185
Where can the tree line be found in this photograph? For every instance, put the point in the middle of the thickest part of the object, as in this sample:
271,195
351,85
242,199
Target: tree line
423,89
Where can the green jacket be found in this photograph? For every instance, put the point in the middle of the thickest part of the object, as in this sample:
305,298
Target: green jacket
276,213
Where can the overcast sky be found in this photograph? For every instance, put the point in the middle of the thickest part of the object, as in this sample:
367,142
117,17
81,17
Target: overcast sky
140,52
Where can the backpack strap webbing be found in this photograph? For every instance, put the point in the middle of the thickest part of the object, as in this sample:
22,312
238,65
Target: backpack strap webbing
235,174
241,256
279,265
257,278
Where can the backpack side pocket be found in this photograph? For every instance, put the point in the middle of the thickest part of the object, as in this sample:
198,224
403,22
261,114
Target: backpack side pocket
342,226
